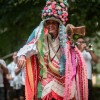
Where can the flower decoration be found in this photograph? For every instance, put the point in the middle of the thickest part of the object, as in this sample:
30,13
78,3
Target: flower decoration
54,2
65,2
52,6
58,7
62,4
57,10
45,8
49,2
54,11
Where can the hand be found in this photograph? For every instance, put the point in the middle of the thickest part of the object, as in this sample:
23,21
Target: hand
1,66
21,62
83,46
87,49
9,77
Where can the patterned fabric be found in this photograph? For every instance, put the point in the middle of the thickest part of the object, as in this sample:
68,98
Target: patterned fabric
55,85
76,82
56,9
44,83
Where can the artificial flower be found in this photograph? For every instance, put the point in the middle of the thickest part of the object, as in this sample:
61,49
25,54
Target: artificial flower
54,11
49,2
52,6
58,7
59,12
62,4
54,2
49,10
45,8
64,15
66,19
60,16
55,15
63,9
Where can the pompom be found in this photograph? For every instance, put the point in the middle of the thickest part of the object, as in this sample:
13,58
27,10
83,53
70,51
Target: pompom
62,4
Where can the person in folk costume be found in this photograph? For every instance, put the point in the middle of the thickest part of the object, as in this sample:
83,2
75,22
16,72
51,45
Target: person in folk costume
55,69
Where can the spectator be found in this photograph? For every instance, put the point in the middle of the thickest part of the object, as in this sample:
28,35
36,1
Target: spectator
22,76
22,95
3,71
15,80
89,56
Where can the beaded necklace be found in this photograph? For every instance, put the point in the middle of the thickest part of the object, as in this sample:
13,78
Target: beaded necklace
82,76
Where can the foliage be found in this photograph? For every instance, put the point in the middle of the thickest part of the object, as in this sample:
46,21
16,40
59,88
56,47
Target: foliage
17,20
19,17
85,12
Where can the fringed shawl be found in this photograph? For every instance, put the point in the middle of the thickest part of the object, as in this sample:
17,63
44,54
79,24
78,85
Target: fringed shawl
30,79
79,73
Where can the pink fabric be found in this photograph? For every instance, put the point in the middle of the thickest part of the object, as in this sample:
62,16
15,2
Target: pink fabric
68,72
73,57
81,92
82,70
81,79
45,30
51,76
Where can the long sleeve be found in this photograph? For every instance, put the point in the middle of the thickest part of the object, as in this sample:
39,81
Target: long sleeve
30,48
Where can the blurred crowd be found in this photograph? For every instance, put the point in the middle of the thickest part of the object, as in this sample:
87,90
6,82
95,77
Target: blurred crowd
12,80
89,56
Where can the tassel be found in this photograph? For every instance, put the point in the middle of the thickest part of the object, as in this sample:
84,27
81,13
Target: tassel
39,90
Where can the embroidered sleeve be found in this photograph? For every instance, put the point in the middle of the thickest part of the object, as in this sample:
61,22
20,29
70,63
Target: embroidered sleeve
28,50
31,48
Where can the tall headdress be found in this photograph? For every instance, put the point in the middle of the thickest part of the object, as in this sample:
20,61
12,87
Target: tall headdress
56,9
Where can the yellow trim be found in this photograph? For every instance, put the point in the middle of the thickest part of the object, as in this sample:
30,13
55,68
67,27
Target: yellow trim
53,68
30,73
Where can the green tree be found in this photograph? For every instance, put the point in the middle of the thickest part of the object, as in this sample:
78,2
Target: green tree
19,17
